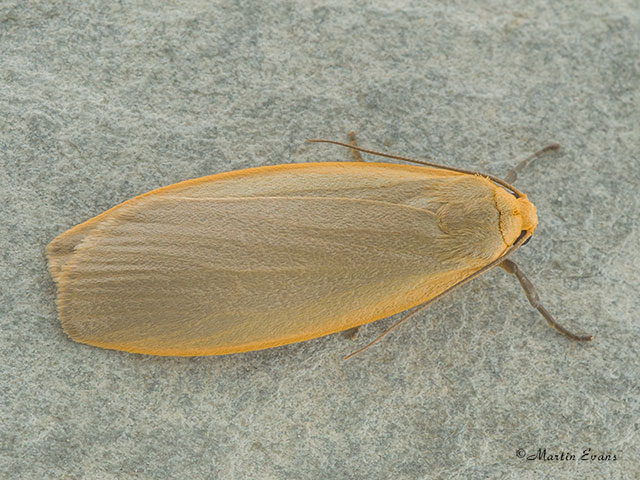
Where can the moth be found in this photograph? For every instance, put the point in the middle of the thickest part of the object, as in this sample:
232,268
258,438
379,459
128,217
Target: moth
267,256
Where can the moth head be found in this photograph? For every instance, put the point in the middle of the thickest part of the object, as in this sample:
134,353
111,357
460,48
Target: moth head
528,214
517,215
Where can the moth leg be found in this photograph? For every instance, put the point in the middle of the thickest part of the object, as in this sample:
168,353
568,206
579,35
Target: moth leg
354,142
353,333
512,174
534,300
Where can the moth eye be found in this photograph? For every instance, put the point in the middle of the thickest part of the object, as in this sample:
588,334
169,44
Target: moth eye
522,234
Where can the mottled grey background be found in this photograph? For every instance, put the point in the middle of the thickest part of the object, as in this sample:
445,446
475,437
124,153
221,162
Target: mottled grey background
101,101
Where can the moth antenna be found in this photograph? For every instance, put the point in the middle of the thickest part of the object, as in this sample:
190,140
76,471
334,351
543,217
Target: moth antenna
497,180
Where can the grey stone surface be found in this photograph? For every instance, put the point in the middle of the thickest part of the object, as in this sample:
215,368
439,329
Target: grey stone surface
101,101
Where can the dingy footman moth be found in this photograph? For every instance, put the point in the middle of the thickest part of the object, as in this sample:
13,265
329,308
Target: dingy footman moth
267,256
